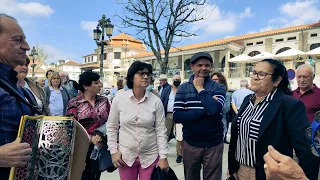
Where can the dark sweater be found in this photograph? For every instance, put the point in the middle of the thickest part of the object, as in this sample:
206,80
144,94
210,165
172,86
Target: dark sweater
200,113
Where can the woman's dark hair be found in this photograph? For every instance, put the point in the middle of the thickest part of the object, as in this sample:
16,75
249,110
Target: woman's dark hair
222,79
85,79
27,61
134,68
48,72
279,70
120,84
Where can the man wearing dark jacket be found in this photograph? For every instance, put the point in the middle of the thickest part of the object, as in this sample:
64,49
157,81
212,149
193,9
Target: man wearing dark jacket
163,83
167,98
198,106
13,47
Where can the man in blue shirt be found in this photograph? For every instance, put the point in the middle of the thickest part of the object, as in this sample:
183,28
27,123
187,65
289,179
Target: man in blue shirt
13,47
239,95
198,106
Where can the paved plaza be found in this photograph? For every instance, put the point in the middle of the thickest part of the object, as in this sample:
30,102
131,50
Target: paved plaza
177,168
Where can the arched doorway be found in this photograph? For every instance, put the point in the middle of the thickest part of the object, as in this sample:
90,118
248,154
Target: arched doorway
283,49
223,62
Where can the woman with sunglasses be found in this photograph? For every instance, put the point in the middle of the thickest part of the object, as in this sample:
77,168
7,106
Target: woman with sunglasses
136,128
270,116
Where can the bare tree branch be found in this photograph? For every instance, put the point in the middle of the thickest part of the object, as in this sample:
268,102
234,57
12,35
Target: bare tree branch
159,22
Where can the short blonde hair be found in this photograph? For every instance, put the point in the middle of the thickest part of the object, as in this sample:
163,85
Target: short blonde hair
55,74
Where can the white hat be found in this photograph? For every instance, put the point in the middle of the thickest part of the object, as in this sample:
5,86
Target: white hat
163,76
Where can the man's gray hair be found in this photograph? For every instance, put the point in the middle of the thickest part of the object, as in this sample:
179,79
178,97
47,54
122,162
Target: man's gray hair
64,73
306,66
244,83
2,16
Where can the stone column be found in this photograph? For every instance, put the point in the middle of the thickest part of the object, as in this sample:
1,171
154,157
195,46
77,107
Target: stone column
226,67
182,67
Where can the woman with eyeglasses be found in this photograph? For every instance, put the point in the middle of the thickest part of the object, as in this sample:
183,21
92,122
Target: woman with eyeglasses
270,116
136,129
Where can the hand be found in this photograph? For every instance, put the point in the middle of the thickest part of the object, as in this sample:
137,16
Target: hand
163,164
117,160
282,167
198,83
96,139
14,154
215,97
235,175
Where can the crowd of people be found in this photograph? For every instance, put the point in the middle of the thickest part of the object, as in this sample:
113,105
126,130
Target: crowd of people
268,119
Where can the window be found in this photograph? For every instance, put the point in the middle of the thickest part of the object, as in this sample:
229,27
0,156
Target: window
117,55
292,38
104,56
314,35
282,50
279,40
260,42
253,53
313,46
85,59
249,44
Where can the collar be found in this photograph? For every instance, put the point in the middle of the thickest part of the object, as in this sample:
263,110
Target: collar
131,95
313,89
192,78
51,88
81,98
267,98
7,73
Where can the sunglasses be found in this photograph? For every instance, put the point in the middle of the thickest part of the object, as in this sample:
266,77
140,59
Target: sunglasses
142,74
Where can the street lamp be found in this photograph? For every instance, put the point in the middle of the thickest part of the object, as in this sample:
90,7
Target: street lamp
34,55
106,28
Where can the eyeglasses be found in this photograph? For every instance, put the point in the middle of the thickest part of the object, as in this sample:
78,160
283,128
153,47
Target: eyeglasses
142,74
260,75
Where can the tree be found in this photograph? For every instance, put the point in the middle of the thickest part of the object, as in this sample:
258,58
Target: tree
159,23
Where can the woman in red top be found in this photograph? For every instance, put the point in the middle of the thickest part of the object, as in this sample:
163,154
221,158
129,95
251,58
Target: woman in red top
92,111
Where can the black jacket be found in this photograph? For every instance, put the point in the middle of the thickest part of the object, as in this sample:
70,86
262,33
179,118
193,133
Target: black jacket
165,86
165,99
284,127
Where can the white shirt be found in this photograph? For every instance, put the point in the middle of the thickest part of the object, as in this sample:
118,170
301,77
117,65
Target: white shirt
171,102
142,130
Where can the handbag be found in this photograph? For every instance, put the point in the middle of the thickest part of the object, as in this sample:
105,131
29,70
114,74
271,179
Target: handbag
158,174
104,157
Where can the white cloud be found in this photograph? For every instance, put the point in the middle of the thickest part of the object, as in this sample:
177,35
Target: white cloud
268,28
297,13
32,9
89,26
56,53
219,21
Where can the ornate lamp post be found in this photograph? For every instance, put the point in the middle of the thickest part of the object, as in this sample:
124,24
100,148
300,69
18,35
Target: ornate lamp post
34,55
106,28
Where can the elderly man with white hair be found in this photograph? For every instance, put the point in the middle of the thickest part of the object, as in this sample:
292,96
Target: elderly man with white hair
239,95
307,91
68,84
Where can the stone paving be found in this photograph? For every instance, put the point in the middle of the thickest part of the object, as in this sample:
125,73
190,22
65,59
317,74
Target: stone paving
177,168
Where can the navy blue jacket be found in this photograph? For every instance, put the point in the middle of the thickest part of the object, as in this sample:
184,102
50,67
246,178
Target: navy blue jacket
200,113
165,86
165,99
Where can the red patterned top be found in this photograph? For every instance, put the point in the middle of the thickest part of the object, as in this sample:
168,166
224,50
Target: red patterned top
90,117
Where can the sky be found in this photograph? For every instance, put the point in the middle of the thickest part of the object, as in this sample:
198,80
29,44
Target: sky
64,28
